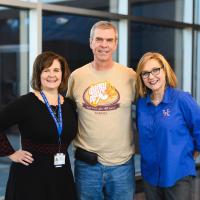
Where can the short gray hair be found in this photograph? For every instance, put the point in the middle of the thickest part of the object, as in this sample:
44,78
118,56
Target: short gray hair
103,25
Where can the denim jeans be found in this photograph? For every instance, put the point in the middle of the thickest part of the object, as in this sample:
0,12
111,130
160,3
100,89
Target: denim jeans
100,182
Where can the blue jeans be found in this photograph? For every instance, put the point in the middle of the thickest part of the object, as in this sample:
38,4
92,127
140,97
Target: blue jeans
100,182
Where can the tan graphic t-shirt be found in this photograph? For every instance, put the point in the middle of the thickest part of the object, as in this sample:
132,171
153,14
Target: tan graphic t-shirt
103,101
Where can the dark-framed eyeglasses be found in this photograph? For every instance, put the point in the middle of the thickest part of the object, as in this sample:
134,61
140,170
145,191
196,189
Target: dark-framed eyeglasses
154,71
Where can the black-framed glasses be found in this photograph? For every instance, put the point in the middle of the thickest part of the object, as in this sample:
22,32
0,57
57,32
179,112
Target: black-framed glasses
154,71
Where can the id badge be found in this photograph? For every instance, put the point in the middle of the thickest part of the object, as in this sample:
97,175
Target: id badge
59,159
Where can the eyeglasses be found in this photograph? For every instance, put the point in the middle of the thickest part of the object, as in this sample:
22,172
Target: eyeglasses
154,71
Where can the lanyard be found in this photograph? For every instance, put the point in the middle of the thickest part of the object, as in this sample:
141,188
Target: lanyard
58,121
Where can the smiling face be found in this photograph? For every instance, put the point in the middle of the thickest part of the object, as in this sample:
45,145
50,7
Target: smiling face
156,80
51,77
103,44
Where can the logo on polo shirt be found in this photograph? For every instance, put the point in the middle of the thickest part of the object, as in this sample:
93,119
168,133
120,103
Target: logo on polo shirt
102,96
166,112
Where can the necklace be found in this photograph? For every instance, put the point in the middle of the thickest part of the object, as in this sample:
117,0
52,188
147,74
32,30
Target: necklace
55,110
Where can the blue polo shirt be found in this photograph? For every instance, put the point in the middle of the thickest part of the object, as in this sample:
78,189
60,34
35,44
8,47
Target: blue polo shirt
168,135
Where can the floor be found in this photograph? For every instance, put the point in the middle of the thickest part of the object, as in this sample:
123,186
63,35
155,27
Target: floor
139,196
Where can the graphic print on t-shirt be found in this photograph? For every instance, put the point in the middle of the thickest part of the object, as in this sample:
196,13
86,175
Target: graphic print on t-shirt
102,96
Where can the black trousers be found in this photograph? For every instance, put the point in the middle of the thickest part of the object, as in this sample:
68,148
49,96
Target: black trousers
182,190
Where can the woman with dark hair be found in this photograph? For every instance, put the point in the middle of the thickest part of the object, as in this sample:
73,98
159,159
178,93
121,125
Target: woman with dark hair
47,122
168,121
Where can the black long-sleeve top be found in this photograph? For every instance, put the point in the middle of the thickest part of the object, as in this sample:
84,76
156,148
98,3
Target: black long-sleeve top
35,122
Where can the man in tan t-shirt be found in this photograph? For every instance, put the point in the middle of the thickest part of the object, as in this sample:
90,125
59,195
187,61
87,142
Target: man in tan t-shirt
103,91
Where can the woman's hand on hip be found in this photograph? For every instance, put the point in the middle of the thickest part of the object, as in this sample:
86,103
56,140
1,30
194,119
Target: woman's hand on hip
22,156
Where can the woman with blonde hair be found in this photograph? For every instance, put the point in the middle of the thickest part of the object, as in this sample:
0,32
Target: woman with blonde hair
168,122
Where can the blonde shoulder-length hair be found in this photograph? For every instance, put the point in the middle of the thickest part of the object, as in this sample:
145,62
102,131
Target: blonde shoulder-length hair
171,80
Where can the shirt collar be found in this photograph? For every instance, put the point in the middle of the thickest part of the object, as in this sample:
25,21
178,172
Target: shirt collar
166,98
